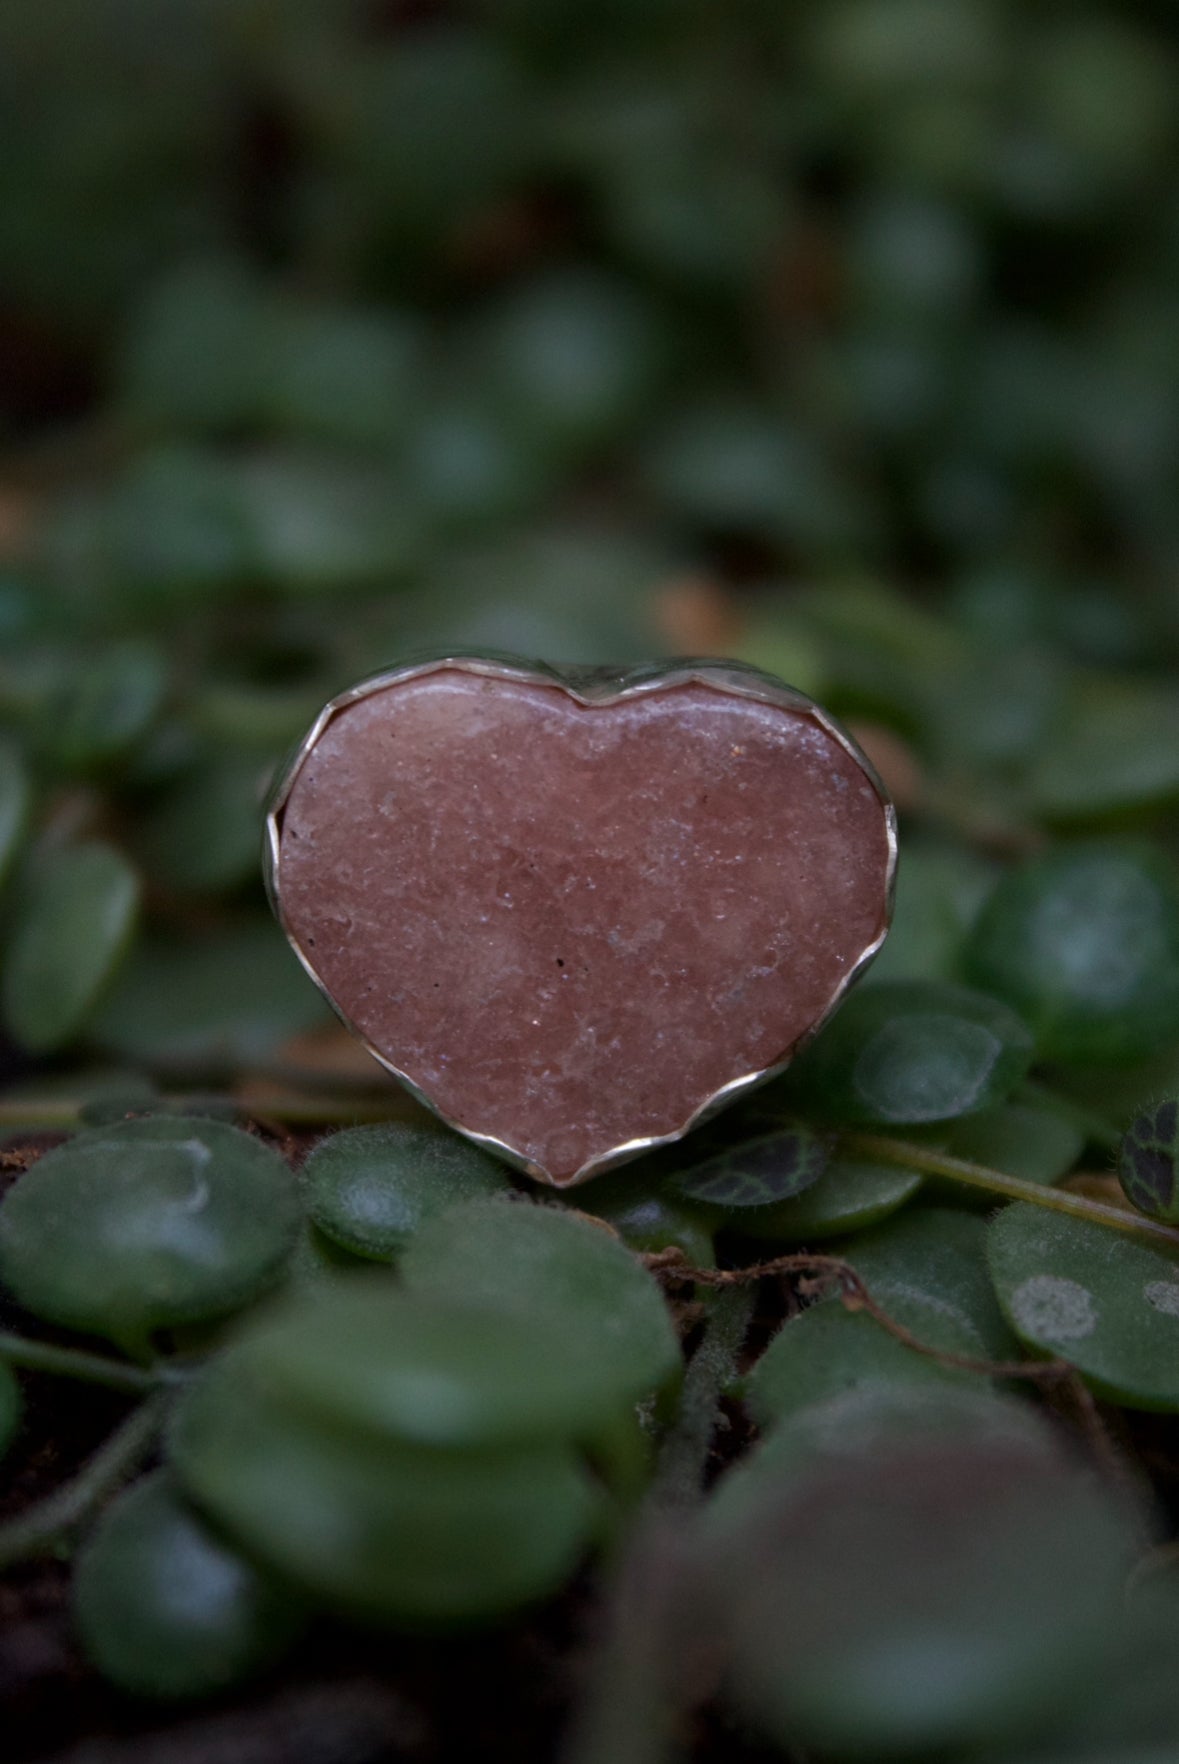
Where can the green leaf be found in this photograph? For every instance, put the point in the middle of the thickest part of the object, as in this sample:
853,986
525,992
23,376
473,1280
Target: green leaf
758,1172
1082,1293
1084,943
938,1255
597,1310
71,927
468,468
829,1351
1021,1139
104,705
341,374
147,1223
417,1534
851,1425
911,1051
205,833
1118,749
172,531
1148,1161
935,1596
316,1260
210,1004
647,1221
165,1608
572,357
734,466
319,525
427,1369
371,1188
850,1195
938,894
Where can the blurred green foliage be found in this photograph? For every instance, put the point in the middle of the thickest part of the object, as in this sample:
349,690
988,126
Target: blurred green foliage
839,337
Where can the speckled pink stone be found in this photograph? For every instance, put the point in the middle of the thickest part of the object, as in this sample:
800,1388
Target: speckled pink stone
571,925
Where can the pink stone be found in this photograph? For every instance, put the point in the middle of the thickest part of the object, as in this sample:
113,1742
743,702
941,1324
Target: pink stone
569,924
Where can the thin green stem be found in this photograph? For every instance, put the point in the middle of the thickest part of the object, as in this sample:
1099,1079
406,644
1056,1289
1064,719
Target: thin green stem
353,1108
38,1114
297,1108
629,1711
929,1162
683,1452
39,1530
67,1362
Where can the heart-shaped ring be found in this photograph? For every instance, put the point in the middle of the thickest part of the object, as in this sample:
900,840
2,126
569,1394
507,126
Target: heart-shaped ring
577,910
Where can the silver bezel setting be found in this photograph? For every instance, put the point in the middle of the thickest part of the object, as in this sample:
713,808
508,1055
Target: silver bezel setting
590,686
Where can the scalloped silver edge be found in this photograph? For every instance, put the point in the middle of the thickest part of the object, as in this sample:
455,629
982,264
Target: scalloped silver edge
589,686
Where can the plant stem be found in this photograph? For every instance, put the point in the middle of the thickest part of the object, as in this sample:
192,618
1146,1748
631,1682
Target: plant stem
38,1531
66,1362
295,1107
683,1453
628,1713
930,1162
38,1114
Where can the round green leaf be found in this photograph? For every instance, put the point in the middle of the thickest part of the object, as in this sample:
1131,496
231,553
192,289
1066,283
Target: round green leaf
172,530
322,525
1021,1139
469,468
912,1051
731,465
1084,943
758,1172
572,357
209,1004
598,1311
1094,1297
1117,749
938,893
422,1369
850,1195
147,1223
928,1597
202,836
341,374
370,1188
1148,1158
853,1424
410,1533
71,927
165,1608
648,1222
829,1351
938,1255
105,703
316,1260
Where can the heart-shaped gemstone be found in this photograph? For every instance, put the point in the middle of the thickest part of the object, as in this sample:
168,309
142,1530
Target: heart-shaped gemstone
575,911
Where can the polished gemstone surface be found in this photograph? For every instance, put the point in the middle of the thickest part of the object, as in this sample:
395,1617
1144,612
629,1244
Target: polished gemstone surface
570,925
